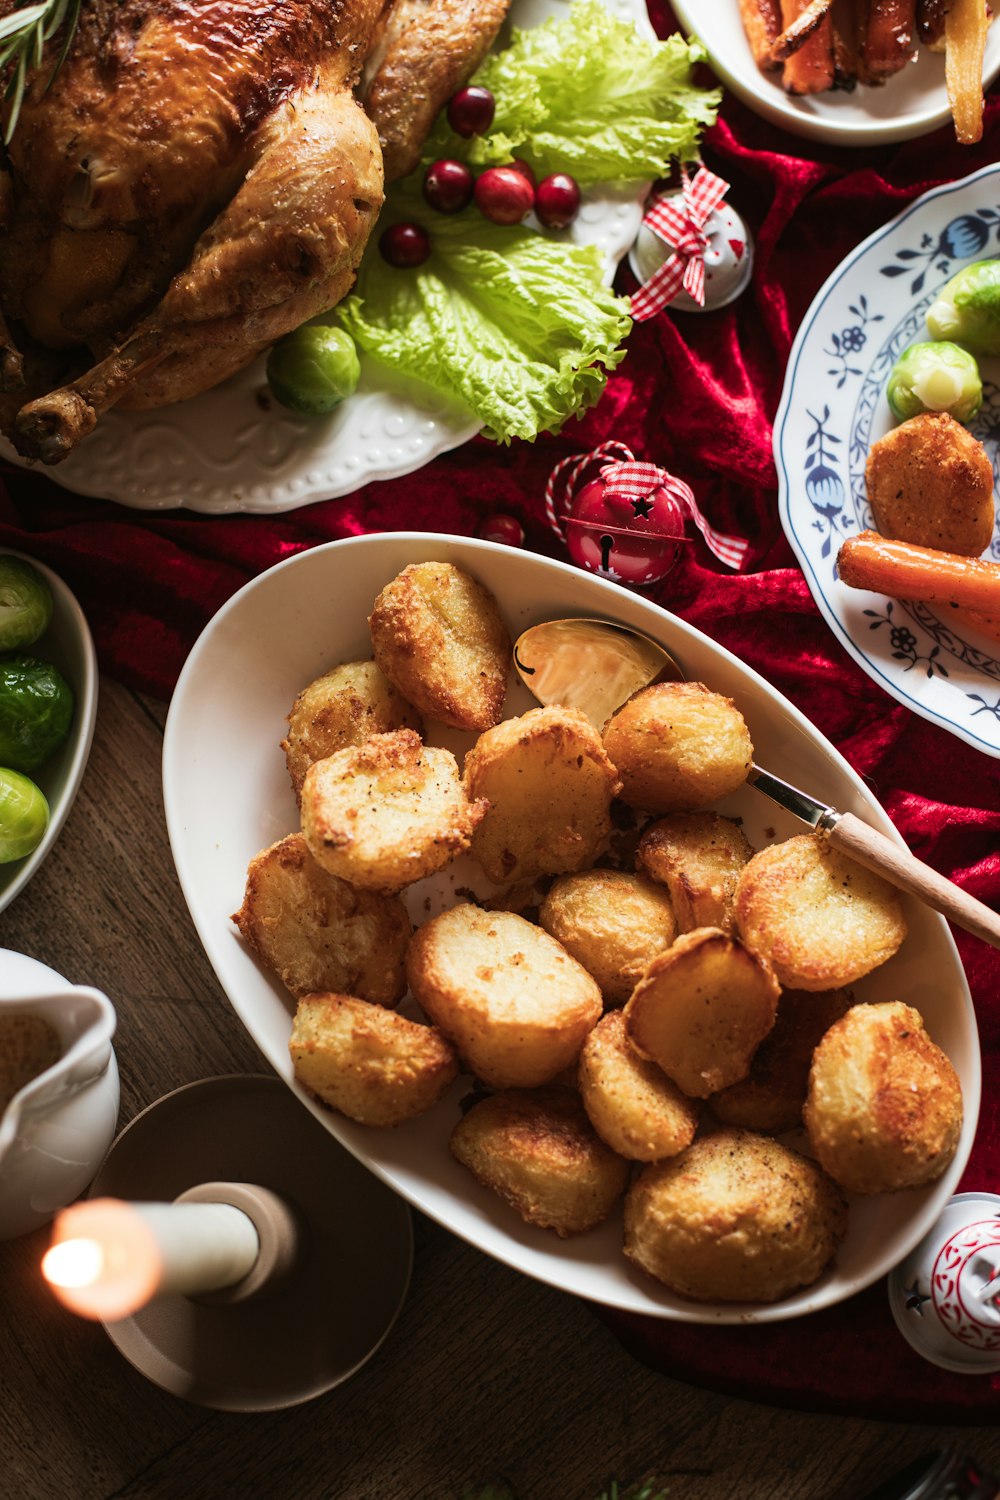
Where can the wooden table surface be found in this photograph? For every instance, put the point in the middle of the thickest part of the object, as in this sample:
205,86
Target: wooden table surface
486,1373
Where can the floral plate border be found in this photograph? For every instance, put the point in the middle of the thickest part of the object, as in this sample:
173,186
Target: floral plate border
833,407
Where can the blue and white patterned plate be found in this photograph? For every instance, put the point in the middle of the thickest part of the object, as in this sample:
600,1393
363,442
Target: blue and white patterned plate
833,407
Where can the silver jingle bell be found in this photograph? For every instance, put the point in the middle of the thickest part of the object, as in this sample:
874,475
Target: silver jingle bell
728,259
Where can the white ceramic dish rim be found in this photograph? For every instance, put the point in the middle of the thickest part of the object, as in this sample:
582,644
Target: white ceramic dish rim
60,779
833,119
531,1251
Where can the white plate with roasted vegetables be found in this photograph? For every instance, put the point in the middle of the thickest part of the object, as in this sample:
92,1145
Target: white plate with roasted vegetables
913,282
506,328
229,797
832,104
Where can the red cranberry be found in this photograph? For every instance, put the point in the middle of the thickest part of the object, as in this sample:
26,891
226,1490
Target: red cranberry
503,195
471,110
501,528
448,186
517,165
557,200
405,245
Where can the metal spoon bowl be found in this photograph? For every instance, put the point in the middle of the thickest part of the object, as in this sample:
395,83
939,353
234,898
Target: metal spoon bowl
596,665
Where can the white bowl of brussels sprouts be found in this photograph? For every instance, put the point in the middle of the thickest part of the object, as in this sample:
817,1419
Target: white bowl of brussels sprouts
48,708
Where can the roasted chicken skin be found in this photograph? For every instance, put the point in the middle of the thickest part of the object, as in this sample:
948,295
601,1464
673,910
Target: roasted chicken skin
201,177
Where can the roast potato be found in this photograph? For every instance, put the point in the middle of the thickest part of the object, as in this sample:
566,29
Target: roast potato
549,785
370,1064
539,1152
388,812
317,932
513,1001
930,482
819,919
632,1104
612,922
678,746
698,856
438,636
345,706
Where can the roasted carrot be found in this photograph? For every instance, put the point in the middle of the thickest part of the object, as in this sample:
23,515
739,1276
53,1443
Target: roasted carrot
761,22
966,23
810,69
889,40
905,571
801,29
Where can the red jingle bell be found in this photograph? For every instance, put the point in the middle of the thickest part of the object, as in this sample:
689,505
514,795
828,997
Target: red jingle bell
630,539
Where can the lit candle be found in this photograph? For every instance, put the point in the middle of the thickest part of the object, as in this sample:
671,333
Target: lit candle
108,1258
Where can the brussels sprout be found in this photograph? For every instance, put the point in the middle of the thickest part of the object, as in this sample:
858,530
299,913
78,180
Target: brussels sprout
935,377
24,816
967,309
25,603
313,369
36,710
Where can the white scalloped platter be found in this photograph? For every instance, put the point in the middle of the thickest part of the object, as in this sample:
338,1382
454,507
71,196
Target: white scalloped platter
235,449
227,795
911,103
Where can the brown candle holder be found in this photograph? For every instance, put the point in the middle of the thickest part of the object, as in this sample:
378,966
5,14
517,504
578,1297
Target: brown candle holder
336,1247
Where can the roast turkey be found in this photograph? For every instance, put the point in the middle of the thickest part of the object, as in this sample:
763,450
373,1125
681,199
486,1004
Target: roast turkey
199,178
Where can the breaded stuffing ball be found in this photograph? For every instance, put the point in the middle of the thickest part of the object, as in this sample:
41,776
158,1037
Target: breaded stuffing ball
819,919
549,785
737,1217
345,706
371,1064
698,856
438,635
513,1001
612,922
539,1152
388,812
930,482
884,1109
316,932
678,746
771,1097
631,1103
701,1010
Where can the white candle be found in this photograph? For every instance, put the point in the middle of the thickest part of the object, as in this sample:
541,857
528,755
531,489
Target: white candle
109,1258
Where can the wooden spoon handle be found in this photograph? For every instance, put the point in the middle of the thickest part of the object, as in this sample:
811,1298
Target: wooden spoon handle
872,849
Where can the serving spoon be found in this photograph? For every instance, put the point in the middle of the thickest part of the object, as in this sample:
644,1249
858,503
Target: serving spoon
595,665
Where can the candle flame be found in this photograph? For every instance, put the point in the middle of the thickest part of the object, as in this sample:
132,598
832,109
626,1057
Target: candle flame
73,1263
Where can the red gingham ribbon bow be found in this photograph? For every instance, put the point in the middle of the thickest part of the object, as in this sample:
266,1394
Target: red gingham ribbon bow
679,222
632,479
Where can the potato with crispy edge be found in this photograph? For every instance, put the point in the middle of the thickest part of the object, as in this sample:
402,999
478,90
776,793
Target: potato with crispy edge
316,932
884,1109
438,635
632,1104
538,1151
930,482
370,1064
344,706
388,812
678,746
550,786
698,856
771,1097
819,919
737,1217
613,922
513,1001
701,1010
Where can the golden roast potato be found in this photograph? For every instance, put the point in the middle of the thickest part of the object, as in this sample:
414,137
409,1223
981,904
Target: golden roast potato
612,922
819,919
698,856
388,812
549,785
371,1064
438,636
513,1001
701,1010
884,1108
539,1152
632,1104
678,746
345,706
737,1217
317,932
930,482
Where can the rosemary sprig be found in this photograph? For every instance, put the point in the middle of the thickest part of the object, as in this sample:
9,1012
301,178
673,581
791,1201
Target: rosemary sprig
23,35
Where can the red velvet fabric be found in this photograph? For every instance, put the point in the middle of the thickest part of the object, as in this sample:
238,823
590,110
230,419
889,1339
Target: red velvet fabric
697,394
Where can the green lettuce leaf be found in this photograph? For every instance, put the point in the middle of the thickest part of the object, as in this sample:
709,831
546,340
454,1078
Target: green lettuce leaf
588,94
515,326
